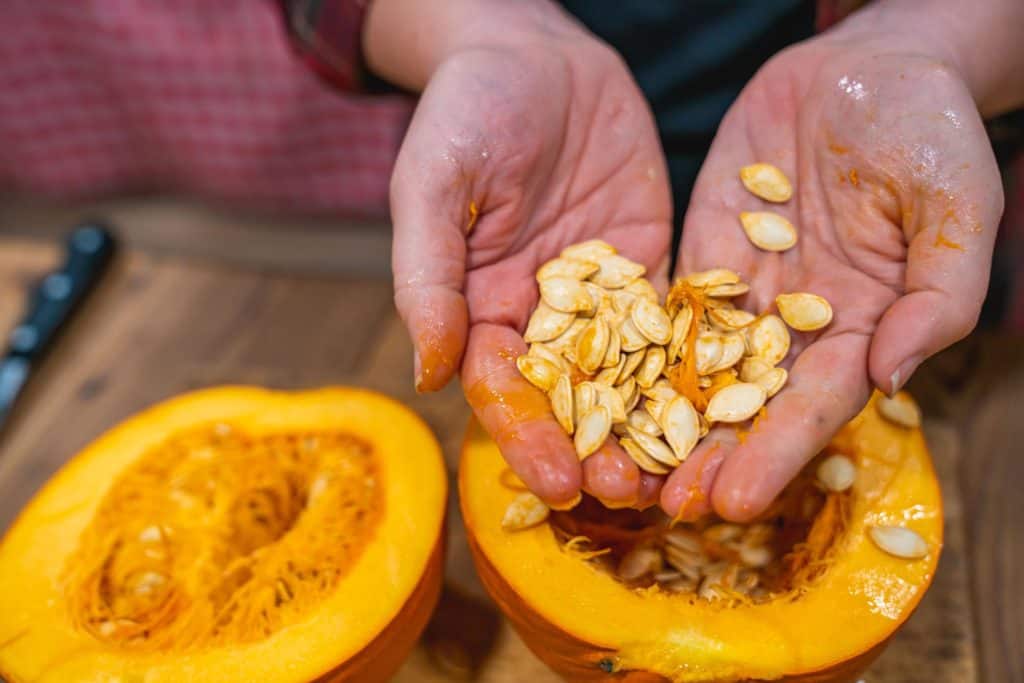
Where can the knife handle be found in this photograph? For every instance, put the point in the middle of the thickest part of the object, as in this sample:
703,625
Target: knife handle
88,251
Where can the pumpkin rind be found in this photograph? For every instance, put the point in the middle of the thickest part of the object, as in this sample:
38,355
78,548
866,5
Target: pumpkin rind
581,621
360,632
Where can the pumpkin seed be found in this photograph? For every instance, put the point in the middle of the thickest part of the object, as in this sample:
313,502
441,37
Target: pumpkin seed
681,426
767,182
773,380
525,511
561,403
538,372
713,277
568,295
733,348
653,447
592,345
632,338
899,541
837,473
633,361
753,367
644,422
650,369
803,311
584,398
900,410
611,354
640,457
680,332
628,388
592,431
731,318
684,539
643,289
565,343
768,338
616,271
662,390
623,300
654,408
634,399
638,563
607,377
612,400
540,350
723,533
768,231
652,321
756,556
730,290
546,323
736,403
709,352
563,267
591,250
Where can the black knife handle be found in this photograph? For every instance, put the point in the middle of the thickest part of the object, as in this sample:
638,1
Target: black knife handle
88,251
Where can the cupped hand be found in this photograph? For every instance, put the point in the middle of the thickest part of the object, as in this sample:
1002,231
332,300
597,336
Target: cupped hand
897,200
521,145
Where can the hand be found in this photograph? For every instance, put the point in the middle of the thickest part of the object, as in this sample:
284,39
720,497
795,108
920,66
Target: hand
530,136
897,200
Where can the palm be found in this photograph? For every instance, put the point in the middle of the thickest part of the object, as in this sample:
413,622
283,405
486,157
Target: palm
551,150
889,161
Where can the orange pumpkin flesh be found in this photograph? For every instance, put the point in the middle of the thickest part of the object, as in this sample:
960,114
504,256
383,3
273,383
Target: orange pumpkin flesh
843,605
231,534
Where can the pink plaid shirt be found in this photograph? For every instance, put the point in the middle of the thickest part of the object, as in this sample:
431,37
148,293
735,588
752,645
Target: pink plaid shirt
207,98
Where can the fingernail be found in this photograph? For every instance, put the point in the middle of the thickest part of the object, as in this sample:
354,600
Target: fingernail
568,505
903,373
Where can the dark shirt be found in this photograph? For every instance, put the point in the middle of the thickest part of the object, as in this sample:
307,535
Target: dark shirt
691,58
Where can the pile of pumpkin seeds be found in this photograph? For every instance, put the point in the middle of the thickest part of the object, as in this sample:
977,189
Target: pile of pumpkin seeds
605,349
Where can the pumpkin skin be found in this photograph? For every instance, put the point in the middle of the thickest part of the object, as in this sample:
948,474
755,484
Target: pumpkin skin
589,627
361,630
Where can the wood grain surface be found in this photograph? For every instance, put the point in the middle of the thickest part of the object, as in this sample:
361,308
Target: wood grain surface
163,323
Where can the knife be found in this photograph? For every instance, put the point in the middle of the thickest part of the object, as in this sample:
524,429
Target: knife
87,253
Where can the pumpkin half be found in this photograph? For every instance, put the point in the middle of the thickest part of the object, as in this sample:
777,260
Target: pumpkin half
835,600
232,534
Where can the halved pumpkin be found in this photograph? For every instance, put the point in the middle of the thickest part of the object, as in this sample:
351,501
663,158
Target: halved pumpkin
835,601
232,534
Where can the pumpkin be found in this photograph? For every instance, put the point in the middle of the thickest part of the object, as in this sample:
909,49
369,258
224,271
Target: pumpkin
836,599
232,534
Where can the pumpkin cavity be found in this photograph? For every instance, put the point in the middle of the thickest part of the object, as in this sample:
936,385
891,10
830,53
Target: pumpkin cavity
216,536
774,557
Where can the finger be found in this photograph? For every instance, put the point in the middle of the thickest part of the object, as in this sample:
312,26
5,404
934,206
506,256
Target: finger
948,265
827,388
686,495
518,415
610,476
649,491
429,263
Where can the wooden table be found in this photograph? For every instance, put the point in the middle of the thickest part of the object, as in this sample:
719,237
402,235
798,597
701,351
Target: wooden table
167,321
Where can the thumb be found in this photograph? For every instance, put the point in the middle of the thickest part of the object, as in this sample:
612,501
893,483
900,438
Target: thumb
428,259
948,263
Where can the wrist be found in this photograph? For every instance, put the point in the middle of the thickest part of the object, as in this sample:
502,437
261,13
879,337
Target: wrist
404,41
980,44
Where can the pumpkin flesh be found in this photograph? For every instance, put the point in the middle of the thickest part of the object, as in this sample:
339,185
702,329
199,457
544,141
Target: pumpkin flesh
231,534
584,622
